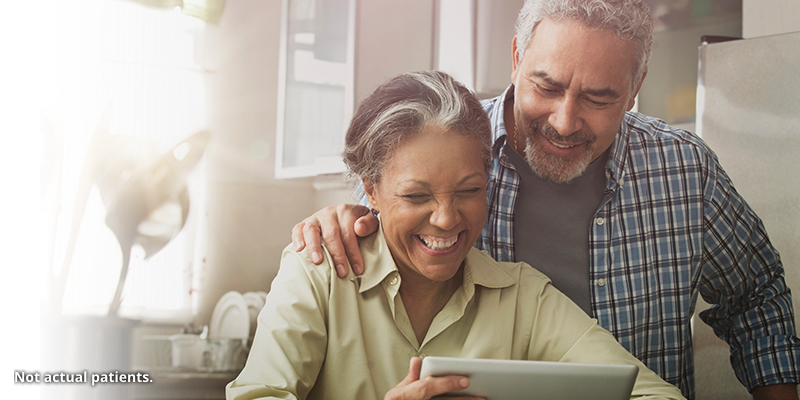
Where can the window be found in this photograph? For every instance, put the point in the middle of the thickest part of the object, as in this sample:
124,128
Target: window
316,89
143,62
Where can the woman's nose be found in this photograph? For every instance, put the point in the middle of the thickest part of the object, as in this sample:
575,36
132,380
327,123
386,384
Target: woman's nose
445,216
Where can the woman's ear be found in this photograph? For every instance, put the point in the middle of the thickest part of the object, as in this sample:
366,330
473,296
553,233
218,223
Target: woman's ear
370,189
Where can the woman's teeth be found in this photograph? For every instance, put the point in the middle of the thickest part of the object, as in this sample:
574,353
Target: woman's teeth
438,243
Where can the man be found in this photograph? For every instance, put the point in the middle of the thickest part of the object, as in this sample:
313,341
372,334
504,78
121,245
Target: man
631,218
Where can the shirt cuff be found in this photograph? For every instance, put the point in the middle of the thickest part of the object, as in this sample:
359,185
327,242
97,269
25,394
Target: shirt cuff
767,361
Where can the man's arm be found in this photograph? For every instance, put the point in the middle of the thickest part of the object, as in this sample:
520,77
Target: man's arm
784,391
339,226
744,279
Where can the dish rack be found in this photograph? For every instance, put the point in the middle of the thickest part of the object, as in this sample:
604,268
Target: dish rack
187,352
221,346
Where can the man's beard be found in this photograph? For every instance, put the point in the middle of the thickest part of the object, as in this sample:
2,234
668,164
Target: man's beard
553,167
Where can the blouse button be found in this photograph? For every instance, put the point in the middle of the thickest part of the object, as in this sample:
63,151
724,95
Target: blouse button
393,281
601,282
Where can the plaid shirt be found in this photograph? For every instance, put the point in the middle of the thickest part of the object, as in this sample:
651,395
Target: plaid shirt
671,226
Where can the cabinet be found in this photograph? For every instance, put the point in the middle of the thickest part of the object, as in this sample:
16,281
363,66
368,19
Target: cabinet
333,53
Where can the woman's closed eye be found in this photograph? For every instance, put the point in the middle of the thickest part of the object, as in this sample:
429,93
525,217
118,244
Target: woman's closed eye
468,192
417,197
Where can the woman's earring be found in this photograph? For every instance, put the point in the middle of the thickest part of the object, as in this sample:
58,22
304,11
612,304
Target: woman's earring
374,212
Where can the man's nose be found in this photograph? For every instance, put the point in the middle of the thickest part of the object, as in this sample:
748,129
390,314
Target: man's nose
565,116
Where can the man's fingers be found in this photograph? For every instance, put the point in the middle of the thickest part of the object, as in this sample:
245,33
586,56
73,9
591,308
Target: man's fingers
333,238
311,237
297,237
334,225
353,252
363,226
366,225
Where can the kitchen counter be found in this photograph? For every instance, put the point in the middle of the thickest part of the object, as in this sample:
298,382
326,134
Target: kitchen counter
174,384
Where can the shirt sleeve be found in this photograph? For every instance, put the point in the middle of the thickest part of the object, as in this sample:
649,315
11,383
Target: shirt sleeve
743,279
291,338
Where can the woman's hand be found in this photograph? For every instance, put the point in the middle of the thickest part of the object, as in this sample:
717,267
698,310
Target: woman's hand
338,226
412,388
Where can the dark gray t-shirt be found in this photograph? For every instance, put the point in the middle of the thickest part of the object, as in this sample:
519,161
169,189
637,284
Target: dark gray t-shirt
552,222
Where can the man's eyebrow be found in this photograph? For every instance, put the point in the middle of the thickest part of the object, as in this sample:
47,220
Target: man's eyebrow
545,77
604,92
601,92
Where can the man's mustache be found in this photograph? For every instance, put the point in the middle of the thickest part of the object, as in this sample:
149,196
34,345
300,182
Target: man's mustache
549,132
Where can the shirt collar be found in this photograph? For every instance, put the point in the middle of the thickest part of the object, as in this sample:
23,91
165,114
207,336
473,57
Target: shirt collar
498,122
615,168
480,268
378,261
483,270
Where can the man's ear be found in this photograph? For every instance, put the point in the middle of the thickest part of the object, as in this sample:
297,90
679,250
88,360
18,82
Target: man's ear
639,86
514,59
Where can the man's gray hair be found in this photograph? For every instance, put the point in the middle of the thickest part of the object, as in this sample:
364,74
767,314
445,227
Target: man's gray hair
629,19
403,106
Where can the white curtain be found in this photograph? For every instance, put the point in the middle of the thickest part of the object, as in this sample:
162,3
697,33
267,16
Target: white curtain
148,61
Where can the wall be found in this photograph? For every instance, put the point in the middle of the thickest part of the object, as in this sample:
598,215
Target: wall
493,51
250,213
668,92
769,17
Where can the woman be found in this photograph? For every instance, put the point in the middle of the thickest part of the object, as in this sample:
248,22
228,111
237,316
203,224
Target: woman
416,143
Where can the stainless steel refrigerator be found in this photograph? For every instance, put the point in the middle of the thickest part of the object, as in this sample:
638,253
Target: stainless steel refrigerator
748,111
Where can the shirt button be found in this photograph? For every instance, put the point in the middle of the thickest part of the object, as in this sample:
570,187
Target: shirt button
421,355
601,282
393,281
600,221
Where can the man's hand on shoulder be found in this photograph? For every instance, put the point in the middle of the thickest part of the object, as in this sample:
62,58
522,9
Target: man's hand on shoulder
339,227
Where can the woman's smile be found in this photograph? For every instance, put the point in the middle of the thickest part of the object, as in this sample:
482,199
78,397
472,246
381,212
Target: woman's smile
434,245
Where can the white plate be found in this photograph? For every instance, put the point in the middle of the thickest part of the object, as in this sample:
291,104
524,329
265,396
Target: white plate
231,317
254,300
254,305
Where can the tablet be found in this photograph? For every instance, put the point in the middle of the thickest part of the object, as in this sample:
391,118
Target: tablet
515,379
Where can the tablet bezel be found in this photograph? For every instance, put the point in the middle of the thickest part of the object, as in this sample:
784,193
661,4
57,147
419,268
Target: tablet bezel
519,379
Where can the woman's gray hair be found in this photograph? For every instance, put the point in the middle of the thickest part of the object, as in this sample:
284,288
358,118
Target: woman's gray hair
403,106
629,19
